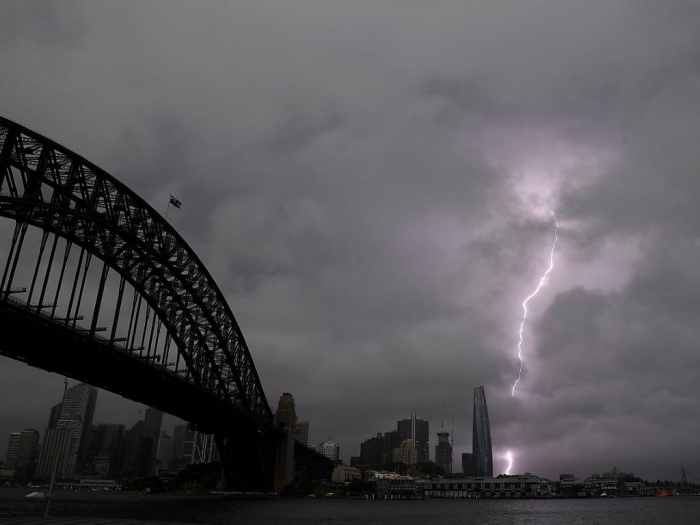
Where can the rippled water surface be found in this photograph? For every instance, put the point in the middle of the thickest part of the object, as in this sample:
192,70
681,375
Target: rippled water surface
214,511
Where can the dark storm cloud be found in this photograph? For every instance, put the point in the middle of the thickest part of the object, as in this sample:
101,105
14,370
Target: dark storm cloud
369,185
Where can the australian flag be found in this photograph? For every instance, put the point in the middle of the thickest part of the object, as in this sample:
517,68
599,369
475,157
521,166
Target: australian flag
175,202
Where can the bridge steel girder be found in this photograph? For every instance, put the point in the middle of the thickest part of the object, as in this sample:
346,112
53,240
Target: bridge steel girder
47,186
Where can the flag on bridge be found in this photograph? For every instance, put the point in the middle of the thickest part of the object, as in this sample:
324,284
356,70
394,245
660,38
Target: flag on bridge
175,202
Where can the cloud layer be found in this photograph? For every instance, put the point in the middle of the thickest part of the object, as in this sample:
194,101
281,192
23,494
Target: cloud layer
370,186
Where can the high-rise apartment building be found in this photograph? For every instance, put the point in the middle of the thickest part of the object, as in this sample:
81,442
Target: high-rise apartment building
417,430
330,449
443,452
481,436
406,454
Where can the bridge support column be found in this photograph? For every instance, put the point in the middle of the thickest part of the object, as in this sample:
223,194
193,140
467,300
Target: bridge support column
286,418
248,460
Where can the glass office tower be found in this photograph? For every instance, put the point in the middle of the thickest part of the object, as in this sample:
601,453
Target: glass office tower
481,439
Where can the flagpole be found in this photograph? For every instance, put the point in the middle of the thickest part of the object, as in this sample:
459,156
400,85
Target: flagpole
167,209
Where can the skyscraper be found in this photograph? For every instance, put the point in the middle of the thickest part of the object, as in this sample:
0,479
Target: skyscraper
110,445
28,454
132,445
55,450
149,442
164,453
12,453
178,445
90,404
417,430
443,452
76,411
481,436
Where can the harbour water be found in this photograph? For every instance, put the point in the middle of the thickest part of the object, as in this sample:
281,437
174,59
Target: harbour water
217,511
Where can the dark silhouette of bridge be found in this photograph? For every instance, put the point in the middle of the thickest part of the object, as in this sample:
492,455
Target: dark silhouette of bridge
97,286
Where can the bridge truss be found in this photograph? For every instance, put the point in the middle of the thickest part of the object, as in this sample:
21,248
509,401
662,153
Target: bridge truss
88,256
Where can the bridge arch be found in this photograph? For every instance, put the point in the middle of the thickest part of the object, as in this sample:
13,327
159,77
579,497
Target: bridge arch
44,185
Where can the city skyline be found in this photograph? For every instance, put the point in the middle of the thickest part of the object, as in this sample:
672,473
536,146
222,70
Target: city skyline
370,188
471,465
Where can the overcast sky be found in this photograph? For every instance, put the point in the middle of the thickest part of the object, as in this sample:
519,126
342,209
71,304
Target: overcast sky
370,185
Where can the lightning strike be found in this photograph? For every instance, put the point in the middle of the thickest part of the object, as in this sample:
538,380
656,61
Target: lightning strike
509,457
533,294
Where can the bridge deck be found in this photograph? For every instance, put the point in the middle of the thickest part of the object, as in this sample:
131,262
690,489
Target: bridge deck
65,520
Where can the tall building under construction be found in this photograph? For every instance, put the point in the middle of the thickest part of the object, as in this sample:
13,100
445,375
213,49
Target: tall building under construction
443,452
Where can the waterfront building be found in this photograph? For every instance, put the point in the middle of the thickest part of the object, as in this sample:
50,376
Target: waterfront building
344,474
443,452
392,485
526,486
481,435
417,430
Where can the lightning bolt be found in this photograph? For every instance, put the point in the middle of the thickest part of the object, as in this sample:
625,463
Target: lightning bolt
533,294
509,457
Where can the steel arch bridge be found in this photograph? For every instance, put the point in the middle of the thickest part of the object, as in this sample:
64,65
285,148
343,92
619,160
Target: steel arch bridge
173,342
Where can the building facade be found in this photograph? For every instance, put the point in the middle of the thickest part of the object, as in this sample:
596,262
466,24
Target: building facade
28,455
149,442
345,474
443,452
12,453
301,432
417,430
178,447
481,436
527,486
330,449
164,453
73,415
55,450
